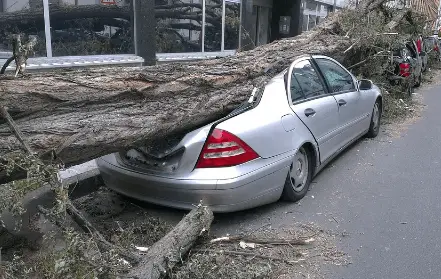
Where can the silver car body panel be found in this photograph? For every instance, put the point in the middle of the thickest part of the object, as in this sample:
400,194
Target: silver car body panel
275,129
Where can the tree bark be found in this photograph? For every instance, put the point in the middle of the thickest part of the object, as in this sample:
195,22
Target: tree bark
164,254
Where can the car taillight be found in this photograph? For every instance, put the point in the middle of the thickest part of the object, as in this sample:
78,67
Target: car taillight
404,69
223,149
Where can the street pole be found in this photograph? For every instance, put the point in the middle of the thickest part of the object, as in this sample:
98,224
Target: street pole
203,27
223,26
145,30
47,28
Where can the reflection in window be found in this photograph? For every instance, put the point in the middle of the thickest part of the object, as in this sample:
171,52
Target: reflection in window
296,91
23,17
312,22
311,5
308,79
213,25
178,26
305,23
82,27
337,78
232,25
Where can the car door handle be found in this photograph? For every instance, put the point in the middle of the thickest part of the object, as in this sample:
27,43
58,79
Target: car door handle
341,102
309,112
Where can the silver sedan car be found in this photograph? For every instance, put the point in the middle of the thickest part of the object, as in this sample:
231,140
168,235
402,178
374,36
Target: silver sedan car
269,148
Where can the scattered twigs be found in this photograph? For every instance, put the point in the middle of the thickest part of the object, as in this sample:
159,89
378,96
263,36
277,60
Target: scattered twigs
269,241
87,227
102,242
10,59
352,46
248,254
14,128
365,60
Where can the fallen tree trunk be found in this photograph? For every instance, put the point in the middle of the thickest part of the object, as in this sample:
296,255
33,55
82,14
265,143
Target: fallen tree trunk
87,113
167,252
83,114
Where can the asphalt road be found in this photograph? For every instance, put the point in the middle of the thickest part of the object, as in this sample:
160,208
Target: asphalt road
385,194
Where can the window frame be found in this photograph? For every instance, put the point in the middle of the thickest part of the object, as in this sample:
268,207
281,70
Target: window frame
354,80
288,74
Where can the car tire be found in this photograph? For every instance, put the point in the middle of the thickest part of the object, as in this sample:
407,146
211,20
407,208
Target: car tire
374,127
299,176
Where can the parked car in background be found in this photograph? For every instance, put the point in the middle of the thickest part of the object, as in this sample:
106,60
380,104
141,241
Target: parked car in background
432,44
407,66
269,148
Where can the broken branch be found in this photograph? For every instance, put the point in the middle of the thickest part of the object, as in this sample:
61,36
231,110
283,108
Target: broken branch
271,241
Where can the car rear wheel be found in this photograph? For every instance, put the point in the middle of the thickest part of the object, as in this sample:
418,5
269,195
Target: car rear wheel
374,127
299,176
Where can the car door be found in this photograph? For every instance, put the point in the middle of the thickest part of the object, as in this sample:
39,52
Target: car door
310,101
353,113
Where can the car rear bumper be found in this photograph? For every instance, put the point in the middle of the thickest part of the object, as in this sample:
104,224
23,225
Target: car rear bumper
255,188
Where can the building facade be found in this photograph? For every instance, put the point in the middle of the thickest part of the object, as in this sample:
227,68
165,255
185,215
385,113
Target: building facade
179,29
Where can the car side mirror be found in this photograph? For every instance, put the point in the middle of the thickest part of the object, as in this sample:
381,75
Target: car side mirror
365,84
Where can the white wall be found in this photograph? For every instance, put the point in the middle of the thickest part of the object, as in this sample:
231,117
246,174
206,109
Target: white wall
338,3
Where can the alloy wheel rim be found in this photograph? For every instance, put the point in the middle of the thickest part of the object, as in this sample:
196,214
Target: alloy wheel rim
376,117
299,170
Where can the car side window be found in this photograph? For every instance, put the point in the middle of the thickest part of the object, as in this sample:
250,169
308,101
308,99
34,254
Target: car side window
412,50
338,79
308,79
296,90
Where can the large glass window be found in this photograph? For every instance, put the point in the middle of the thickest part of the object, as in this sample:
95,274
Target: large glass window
89,27
312,22
213,25
178,26
311,5
22,17
93,27
232,24
305,23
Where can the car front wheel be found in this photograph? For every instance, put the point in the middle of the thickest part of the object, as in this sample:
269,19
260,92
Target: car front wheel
374,127
299,176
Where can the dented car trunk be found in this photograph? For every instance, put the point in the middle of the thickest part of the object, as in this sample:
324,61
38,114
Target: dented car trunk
177,154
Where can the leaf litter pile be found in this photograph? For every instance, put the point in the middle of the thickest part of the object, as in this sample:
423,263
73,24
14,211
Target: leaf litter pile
295,252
